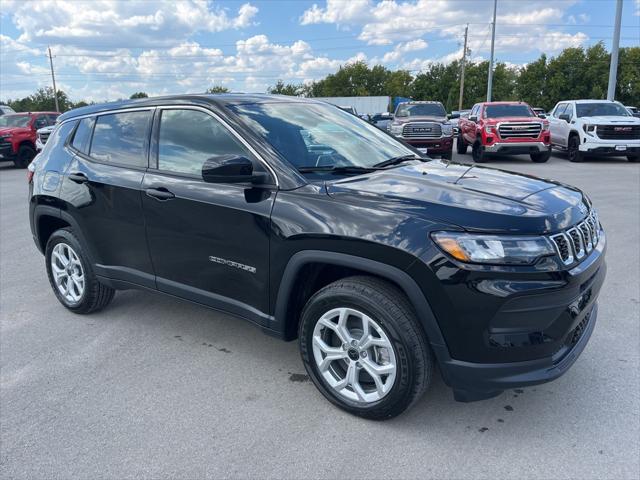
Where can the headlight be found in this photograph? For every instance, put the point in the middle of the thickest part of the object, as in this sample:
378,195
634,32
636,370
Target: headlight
396,129
589,128
493,249
6,135
447,130
490,129
545,126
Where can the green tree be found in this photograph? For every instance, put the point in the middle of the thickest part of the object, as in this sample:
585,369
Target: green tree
281,88
217,89
42,100
532,83
139,95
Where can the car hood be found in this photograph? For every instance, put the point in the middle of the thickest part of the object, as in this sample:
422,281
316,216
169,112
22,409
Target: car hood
419,118
471,197
513,119
611,120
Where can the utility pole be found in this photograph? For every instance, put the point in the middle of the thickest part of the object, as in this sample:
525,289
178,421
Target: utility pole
613,66
464,58
53,77
493,43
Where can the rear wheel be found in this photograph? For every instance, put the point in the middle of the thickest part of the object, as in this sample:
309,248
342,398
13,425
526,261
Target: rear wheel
461,145
541,157
477,152
71,276
364,349
633,158
573,149
24,156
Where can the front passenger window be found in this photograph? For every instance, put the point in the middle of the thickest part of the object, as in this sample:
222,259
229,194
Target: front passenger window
189,137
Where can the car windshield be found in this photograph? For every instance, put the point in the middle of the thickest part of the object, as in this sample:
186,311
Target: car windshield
14,120
601,109
421,109
500,111
318,136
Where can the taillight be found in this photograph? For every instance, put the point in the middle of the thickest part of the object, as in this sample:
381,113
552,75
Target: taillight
30,176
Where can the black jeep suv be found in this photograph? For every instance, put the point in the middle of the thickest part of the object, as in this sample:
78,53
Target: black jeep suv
313,224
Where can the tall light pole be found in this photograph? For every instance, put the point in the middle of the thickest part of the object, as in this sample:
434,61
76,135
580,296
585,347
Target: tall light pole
615,47
493,43
53,77
464,58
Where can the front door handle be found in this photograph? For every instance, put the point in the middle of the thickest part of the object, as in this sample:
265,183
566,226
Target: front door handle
160,193
78,177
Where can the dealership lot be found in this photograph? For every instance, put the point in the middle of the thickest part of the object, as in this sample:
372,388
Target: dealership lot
155,387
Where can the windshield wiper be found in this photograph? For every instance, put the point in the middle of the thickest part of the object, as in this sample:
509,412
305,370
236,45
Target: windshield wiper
337,170
398,160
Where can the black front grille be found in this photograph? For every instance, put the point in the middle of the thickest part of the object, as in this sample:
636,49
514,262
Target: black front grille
44,136
618,132
562,243
573,244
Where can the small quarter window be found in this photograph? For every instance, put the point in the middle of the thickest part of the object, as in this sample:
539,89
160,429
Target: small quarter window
82,137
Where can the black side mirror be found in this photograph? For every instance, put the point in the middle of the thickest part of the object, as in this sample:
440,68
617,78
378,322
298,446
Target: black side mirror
229,168
565,117
542,115
473,118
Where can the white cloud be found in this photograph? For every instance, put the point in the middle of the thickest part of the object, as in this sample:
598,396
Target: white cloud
402,48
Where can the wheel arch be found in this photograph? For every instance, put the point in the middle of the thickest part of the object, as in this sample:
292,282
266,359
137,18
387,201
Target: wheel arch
292,296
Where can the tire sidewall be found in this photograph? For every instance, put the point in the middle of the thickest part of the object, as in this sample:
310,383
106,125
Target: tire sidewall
65,236
477,153
405,364
24,156
574,147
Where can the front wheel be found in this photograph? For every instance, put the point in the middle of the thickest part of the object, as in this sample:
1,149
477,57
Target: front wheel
24,156
364,349
478,153
541,157
573,150
461,145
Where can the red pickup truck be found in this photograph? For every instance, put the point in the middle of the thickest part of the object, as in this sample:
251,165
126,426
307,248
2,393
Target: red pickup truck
18,135
504,128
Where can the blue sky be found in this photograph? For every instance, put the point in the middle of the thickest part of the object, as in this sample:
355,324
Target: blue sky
108,49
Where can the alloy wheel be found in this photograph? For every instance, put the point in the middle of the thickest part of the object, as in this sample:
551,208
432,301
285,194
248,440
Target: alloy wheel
354,355
67,271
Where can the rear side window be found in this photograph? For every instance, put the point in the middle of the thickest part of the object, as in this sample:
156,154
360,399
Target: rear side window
189,137
121,138
559,110
82,137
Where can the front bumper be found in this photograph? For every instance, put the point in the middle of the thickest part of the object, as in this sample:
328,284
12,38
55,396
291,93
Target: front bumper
433,145
6,150
609,149
516,148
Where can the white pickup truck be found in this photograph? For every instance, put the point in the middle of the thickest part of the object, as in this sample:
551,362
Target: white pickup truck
594,127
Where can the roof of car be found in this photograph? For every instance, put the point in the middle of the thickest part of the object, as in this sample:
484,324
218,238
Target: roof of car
588,101
513,102
187,99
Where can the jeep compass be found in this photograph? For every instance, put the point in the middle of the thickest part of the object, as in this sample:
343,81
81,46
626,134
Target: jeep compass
317,226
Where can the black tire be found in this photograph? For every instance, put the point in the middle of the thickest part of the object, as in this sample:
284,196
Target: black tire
633,158
95,295
541,157
478,153
461,145
388,306
25,154
573,151
447,156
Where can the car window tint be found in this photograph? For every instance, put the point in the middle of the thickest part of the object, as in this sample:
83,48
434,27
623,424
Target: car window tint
569,110
120,138
40,122
51,119
559,110
82,137
189,137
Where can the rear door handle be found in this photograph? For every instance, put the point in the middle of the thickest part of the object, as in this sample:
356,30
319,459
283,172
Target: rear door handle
78,177
160,193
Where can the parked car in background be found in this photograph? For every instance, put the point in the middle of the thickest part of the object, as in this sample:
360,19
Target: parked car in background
382,120
382,263
540,112
6,109
18,135
595,127
424,125
454,119
504,128
633,111
42,135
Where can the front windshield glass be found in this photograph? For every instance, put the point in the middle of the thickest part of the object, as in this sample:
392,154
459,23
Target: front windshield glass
312,135
601,109
14,120
500,111
421,109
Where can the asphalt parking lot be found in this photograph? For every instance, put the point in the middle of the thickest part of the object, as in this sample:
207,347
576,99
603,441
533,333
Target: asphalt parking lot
153,387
